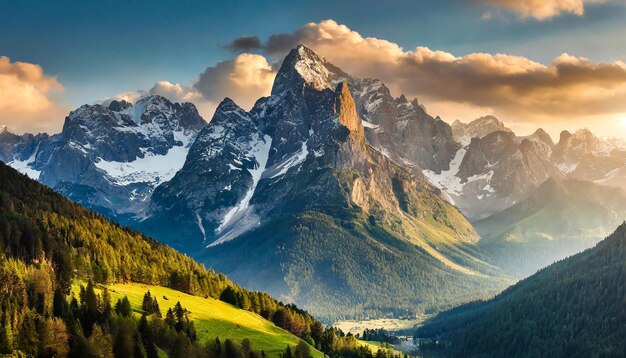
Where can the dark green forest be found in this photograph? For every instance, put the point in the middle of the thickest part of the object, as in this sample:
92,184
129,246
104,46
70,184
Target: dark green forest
573,308
47,242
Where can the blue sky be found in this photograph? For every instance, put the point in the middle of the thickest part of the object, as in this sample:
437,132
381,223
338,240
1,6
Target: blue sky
97,49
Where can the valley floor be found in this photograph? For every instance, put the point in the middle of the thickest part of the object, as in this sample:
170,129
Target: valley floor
389,324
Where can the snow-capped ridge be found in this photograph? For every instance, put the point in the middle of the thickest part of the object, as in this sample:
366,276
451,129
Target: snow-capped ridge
303,65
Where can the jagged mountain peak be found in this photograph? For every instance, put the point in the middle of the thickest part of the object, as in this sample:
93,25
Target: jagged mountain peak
489,119
580,135
564,136
118,106
402,99
478,128
581,143
303,65
154,109
584,132
227,105
540,136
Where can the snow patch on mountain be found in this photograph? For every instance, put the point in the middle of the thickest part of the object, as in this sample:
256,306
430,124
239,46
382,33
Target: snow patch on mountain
567,168
367,124
25,166
447,179
292,161
152,168
309,68
239,213
201,226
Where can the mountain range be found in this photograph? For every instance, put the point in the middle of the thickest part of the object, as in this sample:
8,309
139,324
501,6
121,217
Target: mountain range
109,157
333,194
325,218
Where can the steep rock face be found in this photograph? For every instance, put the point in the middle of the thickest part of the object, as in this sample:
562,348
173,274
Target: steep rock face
320,174
584,156
110,157
229,155
574,148
478,128
402,129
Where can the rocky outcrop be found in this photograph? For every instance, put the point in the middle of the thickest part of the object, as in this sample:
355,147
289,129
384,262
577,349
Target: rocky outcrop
478,128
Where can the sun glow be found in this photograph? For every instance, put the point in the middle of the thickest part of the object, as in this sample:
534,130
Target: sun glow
622,122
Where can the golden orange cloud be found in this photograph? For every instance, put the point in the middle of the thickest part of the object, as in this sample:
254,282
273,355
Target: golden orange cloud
543,9
513,87
26,103
244,79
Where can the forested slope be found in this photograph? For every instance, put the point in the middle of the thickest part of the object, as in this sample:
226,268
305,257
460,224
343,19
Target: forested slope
573,308
47,242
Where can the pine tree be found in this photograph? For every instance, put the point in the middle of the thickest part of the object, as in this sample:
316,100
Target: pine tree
146,305
123,307
59,303
170,320
155,307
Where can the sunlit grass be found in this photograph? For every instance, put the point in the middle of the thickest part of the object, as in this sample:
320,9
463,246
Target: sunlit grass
212,318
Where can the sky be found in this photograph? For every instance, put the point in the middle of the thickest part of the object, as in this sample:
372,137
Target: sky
556,64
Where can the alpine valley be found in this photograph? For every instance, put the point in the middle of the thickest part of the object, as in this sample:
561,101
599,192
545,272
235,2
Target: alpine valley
332,194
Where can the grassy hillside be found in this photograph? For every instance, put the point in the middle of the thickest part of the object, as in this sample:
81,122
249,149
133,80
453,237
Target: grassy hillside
560,218
213,318
573,308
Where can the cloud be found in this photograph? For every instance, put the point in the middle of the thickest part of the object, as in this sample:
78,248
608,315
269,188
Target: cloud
244,79
512,86
245,44
543,9
515,88
27,102
173,91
